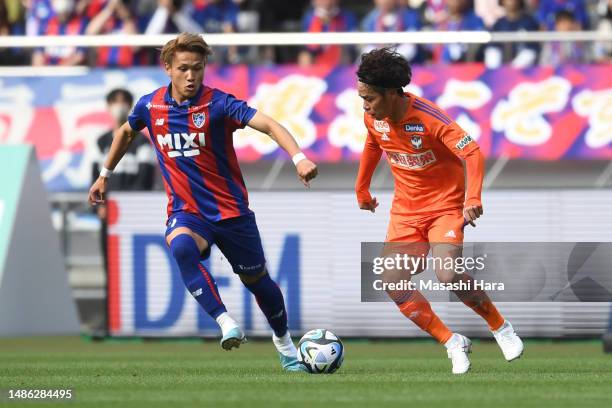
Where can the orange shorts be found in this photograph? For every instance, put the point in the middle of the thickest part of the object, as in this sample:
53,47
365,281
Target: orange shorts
444,227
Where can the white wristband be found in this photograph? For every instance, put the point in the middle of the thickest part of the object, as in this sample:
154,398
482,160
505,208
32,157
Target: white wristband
105,172
298,157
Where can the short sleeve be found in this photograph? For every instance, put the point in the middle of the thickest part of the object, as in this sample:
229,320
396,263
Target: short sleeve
238,110
138,117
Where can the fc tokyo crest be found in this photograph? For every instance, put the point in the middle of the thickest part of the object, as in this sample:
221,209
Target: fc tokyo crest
199,119
417,141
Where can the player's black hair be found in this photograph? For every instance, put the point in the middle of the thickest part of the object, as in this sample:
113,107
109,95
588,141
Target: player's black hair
115,93
384,68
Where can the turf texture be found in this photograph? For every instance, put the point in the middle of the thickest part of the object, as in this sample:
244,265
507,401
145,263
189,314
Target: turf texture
375,374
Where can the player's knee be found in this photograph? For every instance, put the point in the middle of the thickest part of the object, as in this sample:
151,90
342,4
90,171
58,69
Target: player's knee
253,279
184,249
445,276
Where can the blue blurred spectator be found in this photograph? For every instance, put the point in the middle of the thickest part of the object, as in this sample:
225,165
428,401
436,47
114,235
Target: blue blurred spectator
327,16
489,11
388,15
64,21
548,9
215,16
38,14
520,55
564,52
460,17
603,49
114,18
172,17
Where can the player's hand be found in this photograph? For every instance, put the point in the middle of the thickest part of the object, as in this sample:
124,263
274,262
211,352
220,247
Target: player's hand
471,213
306,171
369,206
97,192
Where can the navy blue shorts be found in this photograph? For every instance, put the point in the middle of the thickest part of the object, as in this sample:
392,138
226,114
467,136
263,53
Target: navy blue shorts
237,238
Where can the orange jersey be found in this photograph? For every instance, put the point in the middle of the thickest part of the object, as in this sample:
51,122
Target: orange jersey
424,150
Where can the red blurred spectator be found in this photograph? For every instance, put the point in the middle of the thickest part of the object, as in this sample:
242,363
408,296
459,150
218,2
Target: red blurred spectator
114,18
326,16
65,21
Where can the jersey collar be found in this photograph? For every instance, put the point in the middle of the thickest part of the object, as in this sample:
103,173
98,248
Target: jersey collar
171,101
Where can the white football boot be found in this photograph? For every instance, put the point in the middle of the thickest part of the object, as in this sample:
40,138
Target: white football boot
457,348
288,354
511,344
233,336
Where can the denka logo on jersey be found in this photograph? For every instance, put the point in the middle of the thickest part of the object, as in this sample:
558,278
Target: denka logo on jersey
417,141
467,139
414,127
182,144
412,161
381,126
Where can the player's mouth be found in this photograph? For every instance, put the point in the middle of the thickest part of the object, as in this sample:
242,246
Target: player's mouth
190,88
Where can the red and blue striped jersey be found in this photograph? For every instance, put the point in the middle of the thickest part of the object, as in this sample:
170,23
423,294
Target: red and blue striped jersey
194,146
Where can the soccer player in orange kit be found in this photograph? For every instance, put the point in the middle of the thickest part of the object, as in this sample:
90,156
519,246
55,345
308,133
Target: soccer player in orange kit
424,148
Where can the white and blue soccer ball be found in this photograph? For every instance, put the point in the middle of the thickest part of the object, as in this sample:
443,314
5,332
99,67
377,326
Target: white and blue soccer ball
320,351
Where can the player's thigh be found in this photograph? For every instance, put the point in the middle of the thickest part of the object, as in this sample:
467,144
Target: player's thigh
192,225
239,241
445,233
407,244
444,260
446,228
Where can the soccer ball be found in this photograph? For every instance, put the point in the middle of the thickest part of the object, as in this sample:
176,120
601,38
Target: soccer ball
320,351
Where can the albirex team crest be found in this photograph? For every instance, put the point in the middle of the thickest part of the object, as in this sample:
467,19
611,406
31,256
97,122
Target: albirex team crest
417,141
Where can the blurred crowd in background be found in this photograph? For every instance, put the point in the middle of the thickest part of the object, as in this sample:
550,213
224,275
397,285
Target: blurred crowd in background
73,17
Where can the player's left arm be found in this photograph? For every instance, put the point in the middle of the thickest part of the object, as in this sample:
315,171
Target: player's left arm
464,146
306,169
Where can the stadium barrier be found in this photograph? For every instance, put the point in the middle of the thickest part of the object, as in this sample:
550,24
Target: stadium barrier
312,242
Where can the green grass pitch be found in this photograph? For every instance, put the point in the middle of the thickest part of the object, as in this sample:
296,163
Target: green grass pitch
375,374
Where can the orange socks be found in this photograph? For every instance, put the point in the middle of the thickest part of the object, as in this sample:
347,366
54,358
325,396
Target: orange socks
418,309
479,301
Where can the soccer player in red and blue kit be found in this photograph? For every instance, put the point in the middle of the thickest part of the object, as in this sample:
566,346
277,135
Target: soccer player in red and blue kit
191,127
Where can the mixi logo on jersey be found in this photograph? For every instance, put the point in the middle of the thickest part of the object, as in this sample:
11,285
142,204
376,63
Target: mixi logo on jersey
183,144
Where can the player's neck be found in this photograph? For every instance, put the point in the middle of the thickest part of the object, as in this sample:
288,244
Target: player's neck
399,109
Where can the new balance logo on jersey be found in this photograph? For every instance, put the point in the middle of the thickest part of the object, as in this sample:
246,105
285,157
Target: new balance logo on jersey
450,234
159,122
197,292
466,140
181,144
381,126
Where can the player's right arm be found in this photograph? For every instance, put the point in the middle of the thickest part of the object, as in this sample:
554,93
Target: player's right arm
369,160
122,138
